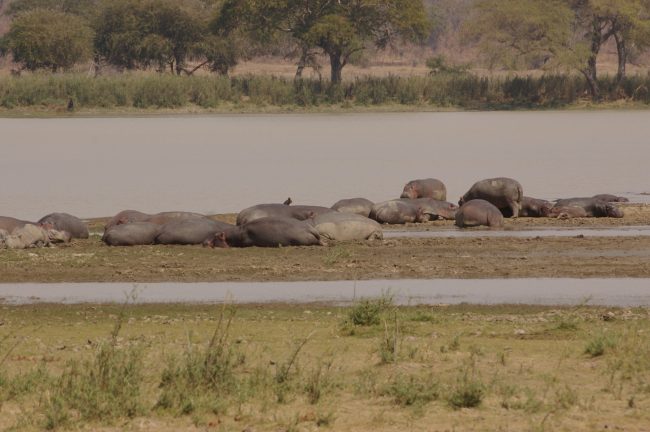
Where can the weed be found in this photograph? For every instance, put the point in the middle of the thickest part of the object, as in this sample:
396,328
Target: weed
597,345
336,254
367,312
390,342
412,390
318,381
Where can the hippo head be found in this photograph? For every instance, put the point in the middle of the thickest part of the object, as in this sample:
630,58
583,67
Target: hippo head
421,216
56,236
545,209
219,240
613,211
409,192
448,211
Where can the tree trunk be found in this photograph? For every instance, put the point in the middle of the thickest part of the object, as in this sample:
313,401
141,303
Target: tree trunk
621,50
591,72
337,67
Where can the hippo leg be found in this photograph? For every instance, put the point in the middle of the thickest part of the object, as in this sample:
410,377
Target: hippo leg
515,206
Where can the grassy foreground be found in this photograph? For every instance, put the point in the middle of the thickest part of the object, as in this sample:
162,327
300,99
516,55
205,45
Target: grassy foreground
144,93
373,366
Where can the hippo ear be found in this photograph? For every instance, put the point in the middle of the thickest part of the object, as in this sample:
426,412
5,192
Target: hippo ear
311,214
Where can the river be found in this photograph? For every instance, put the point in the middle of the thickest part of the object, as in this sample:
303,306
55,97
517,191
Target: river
216,164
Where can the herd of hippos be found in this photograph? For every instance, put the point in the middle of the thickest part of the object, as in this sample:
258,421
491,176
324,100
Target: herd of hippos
271,225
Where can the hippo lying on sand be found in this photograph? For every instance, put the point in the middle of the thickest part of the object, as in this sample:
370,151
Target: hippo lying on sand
567,212
129,216
479,212
132,234
9,224
531,207
425,188
30,235
593,207
398,211
190,231
610,198
502,192
434,209
268,232
66,222
299,212
347,226
360,206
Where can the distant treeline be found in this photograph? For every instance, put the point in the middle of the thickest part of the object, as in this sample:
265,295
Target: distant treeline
61,91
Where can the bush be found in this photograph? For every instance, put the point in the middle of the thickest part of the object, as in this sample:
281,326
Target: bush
367,312
412,390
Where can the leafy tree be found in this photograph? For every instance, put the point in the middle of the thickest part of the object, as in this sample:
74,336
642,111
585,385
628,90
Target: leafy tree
46,39
76,7
339,28
558,33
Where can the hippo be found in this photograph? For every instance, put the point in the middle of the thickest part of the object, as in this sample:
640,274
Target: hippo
531,207
479,212
425,188
593,207
435,209
9,224
360,206
299,212
164,217
190,231
124,217
398,212
503,192
267,232
66,222
567,212
132,234
347,226
31,235
610,198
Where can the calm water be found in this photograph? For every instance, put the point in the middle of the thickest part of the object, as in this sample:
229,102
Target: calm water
606,292
98,166
628,231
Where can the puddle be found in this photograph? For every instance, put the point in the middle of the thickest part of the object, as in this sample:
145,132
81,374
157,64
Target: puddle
606,292
629,231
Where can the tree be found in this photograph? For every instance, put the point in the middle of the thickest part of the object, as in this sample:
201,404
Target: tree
339,28
76,7
559,33
46,39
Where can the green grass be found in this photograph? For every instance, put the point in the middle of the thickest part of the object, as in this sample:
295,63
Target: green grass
272,367
153,92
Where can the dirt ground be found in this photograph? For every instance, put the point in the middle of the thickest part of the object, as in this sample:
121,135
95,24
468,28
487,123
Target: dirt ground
395,258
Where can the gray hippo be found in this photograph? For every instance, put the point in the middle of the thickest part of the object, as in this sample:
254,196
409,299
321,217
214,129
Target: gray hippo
360,206
425,188
268,232
190,231
610,198
299,212
30,235
435,209
132,234
531,207
398,211
567,212
66,222
125,217
503,192
129,216
9,224
478,212
592,206
347,226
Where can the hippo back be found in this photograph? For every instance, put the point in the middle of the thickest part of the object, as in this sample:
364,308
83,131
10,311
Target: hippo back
190,231
132,234
347,226
66,222
360,206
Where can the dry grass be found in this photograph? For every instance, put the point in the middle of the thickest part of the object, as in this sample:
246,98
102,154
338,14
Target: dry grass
461,368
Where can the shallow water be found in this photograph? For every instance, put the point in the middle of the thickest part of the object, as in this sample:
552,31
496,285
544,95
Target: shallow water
606,292
214,164
627,231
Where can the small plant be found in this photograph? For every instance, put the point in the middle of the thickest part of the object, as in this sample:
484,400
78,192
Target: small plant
317,382
412,390
336,254
283,370
367,312
597,346
390,342
468,391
